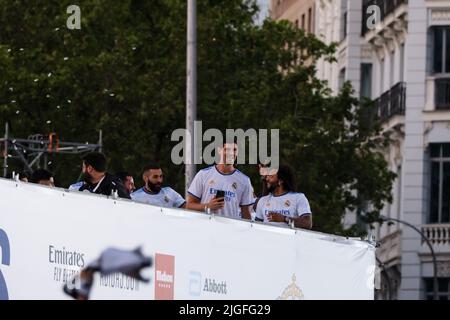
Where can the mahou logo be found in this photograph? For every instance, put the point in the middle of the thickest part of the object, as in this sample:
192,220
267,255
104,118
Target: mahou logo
165,276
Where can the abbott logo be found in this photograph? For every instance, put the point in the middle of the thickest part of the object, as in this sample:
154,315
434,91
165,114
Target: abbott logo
165,277
5,249
211,286
195,283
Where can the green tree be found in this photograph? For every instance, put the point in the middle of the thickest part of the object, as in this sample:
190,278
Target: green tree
124,73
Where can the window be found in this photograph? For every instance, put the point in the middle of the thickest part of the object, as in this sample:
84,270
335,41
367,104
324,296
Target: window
447,50
341,78
303,22
441,60
310,20
344,30
402,62
440,183
392,68
344,19
443,288
382,77
296,23
399,191
366,80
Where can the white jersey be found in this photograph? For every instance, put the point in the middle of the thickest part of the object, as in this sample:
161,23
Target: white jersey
237,186
166,197
76,186
290,204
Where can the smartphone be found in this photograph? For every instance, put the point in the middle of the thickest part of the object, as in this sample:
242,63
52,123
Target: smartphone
220,194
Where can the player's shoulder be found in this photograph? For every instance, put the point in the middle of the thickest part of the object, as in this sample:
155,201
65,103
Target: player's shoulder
168,190
262,200
266,197
138,192
297,195
242,175
76,185
205,171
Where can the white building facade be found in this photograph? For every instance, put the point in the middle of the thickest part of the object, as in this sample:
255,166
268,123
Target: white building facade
402,61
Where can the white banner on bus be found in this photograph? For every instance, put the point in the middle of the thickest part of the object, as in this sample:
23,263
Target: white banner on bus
47,235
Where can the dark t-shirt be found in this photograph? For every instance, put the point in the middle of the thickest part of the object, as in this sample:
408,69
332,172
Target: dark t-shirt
109,184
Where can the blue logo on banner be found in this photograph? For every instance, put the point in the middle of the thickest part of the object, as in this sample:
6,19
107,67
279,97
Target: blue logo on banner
5,249
195,283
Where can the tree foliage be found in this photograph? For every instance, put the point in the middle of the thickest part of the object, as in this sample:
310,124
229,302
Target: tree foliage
124,73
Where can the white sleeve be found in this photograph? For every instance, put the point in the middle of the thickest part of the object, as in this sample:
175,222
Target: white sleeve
303,206
196,187
259,210
76,186
178,200
247,198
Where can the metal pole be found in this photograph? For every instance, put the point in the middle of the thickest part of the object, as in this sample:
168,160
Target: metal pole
100,141
45,161
5,153
191,91
427,241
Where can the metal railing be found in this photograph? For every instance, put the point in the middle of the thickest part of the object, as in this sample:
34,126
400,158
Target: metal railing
438,234
392,102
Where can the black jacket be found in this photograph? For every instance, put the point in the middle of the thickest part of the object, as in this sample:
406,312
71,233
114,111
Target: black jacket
109,184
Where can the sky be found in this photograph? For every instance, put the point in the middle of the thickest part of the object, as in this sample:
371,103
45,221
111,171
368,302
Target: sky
264,5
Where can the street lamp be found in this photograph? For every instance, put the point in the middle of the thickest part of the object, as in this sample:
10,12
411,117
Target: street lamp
427,241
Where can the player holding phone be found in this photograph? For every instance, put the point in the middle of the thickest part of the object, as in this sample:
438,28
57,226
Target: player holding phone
222,188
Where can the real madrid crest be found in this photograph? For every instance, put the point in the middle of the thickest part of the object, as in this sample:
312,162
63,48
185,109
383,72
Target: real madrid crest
234,185
287,203
292,292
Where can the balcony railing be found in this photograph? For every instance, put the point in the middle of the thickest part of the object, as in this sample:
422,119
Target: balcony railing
442,92
438,234
386,7
392,102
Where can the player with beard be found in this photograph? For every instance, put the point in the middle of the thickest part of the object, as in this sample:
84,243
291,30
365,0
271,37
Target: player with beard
283,205
154,193
96,179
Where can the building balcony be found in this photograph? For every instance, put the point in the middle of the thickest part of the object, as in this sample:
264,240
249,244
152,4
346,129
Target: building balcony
438,234
392,102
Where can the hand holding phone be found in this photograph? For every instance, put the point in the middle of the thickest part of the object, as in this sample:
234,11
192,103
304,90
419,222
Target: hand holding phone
220,194
218,202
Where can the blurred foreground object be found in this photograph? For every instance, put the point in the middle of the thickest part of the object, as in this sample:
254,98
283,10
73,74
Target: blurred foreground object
110,261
